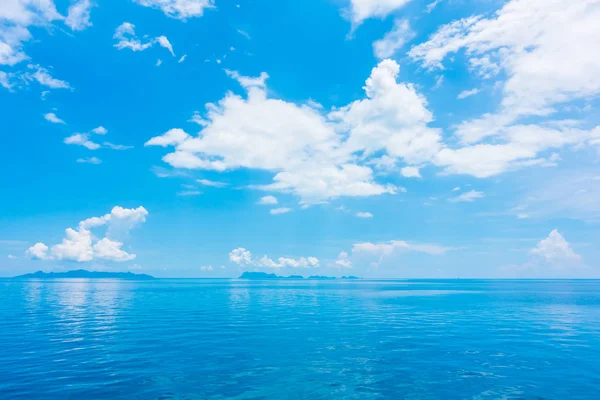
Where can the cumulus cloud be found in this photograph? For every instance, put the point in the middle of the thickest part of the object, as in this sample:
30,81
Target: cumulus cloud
81,245
81,139
468,197
315,155
556,250
180,9
100,130
51,117
268,200
343,260
393,40
380,251
410,172
243,257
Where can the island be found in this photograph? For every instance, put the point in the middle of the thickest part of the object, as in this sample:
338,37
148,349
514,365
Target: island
265,275
82,273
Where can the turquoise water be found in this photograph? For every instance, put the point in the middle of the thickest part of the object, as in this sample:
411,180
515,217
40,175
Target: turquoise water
230,339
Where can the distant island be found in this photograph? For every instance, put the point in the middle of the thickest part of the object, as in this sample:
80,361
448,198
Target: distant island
265,275
82,273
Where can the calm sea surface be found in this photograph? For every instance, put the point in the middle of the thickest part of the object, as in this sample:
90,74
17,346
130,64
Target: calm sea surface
231,339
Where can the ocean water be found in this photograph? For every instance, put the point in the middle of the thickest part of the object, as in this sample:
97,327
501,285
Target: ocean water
232,339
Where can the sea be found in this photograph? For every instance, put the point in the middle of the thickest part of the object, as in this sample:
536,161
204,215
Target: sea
237,339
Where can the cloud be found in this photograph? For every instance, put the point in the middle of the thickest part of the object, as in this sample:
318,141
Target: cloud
189,193
206,182
456,189
467,93
244,34
127,39
164,42
11,257
243,257
81,245
100,130
268,200
81,139
410,172
280,210
556,250
182,59
431,6
393,40
361,10
179,9
43,77
322,155
89,160
343,260
468,197
390,247
364,215
240,256
158,62
53,118
113,146
205,268
78,17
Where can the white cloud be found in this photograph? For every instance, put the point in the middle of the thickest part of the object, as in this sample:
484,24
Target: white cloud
113,146
361,10
38,251
206,182
11,257
468,197
100,130
43,77
5,80
380,249
242,257
81,139
410,172
343,260
393,40
361,214
182,59
89,160
431,6
268,200
467,93
16,17
80,245
158,62
164,42
315,155
78,17
556,250
280,210
185,193
180,9
206,268
53,118
127,39
456,189
244,34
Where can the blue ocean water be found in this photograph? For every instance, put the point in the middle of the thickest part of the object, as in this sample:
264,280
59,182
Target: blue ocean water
232,339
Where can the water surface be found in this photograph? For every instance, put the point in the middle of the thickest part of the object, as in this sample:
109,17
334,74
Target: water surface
231,339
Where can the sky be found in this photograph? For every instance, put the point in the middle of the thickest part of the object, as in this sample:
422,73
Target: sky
376,138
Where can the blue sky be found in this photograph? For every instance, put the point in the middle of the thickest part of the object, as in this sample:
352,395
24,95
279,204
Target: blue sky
379,138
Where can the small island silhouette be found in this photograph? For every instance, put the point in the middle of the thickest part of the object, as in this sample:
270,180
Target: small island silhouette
265,275
82,273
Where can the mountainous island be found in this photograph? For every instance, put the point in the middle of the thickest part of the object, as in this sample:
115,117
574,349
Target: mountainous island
263,275
82,273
